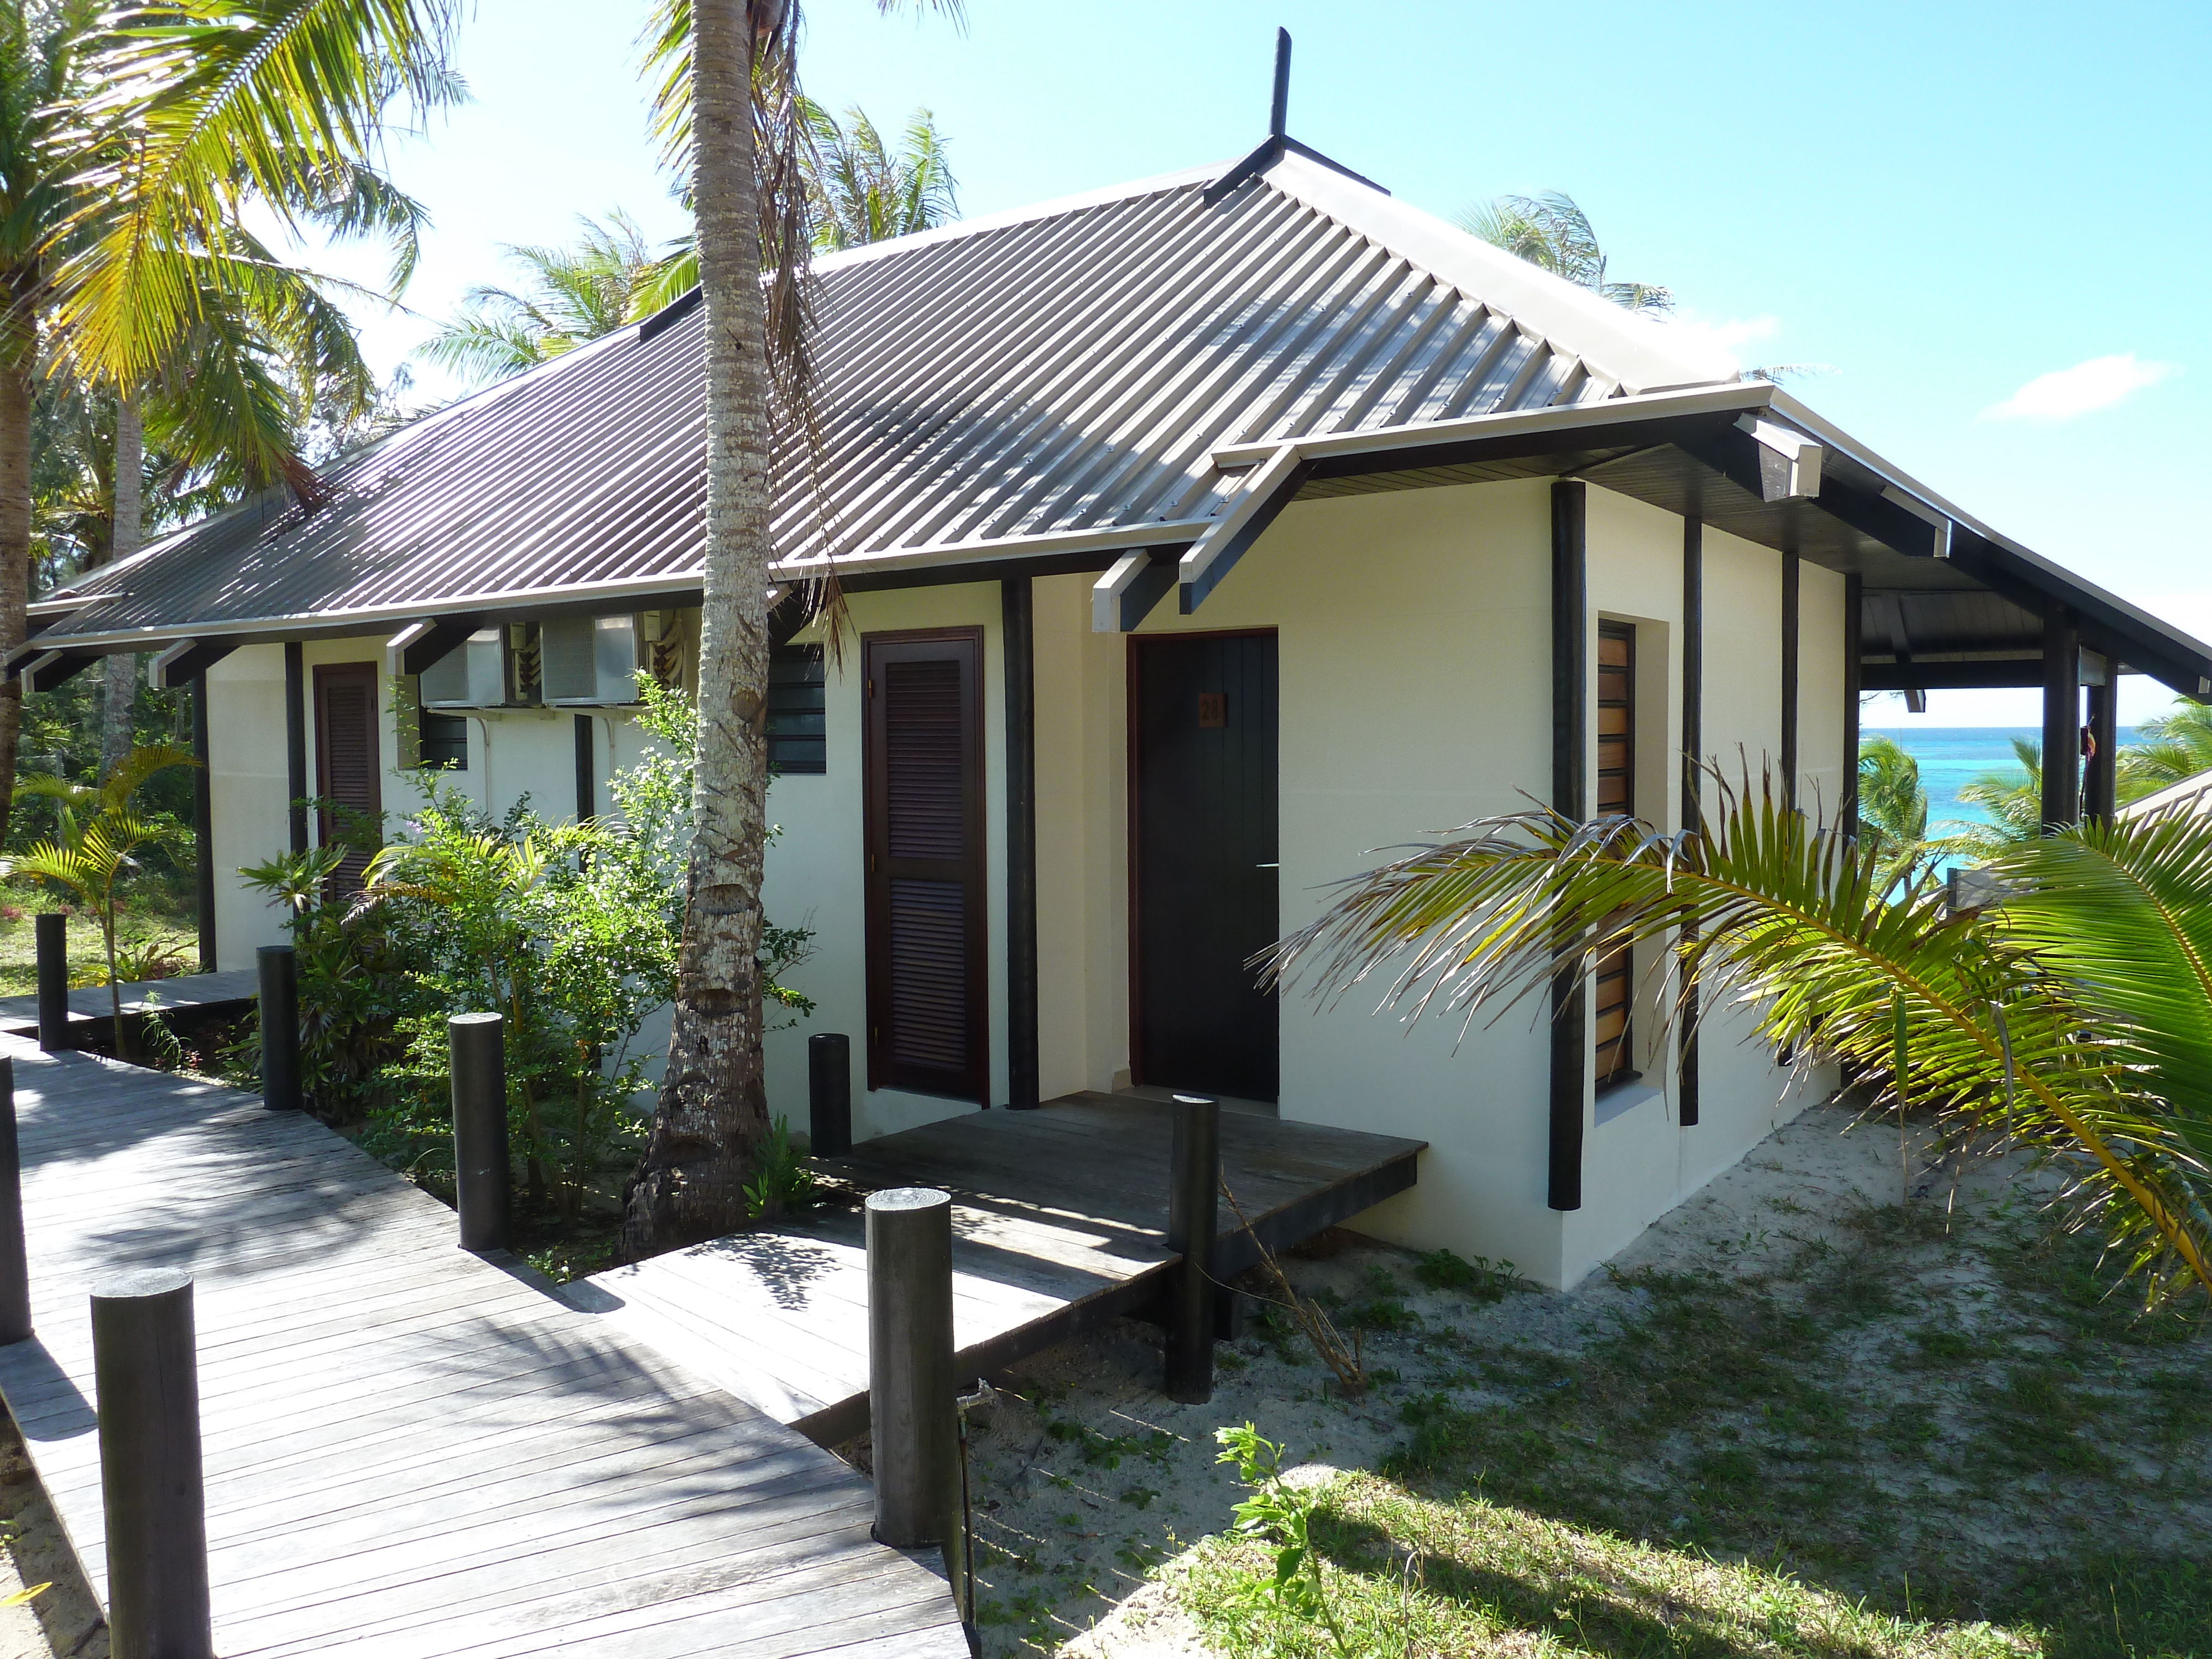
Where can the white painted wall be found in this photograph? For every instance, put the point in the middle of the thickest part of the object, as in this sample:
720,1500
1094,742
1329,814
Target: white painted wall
249,793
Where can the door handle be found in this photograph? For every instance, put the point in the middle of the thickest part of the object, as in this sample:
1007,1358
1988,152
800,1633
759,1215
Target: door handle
1267,866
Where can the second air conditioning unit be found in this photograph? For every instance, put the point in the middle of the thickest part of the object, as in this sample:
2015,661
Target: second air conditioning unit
591,661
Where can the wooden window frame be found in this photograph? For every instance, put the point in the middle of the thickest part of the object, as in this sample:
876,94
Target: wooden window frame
876,651
1623,1046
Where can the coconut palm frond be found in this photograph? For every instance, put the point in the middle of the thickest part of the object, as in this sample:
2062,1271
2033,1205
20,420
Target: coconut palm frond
197,110
2169,747
1782,919
1551,231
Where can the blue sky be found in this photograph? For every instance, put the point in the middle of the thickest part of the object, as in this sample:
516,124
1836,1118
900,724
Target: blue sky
1943,204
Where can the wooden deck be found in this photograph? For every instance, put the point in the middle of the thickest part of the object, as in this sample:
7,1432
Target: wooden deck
1060,1224
186,993
411,1452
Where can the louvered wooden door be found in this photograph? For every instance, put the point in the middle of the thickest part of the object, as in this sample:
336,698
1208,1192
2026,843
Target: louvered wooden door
928,986
348,766
1616,796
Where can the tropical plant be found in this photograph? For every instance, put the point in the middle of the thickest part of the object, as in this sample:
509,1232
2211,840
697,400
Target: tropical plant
1892,808
2013,800
131,142
2169,747
572,296
1551,232
1781,920
860,189
727,111
95,845
1280,1516
785,1181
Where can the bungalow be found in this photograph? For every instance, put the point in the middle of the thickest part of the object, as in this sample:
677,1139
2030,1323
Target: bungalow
1201,536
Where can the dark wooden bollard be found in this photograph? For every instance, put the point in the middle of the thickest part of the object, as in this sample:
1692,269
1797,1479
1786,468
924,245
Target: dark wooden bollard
911,1403
1193,1205
830,1094
146,1373
15,1270
480,1156
280,1027
52,930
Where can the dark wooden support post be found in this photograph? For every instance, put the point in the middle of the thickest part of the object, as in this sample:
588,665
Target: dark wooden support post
15,1264
51,931
1847,814
1693,779
2100,784
1570,798
146,1375
1194,1172
295,741
1018,622
586,798
2062,718
204,824
480,1157
280,1027
1792,570
830,1094
912,1410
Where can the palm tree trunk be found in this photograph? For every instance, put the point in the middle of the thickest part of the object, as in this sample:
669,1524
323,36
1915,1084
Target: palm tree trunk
125,535
19,346
712,1110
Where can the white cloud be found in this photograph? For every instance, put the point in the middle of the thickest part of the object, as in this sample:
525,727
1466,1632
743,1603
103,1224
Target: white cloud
2064,393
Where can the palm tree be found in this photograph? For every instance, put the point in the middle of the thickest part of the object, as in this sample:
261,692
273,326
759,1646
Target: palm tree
727,106
129,145
861,189
1892,808
2173,746
2013,801
91,850
2077,1017
572,296
1551,231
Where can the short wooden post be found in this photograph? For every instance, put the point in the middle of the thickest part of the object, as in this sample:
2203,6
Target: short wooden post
1193,1205
830,1094
52,932
480,1156
14,1270
911,1402
145,1370
280,1027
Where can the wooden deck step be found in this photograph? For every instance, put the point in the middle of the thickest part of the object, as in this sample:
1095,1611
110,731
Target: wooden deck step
235,988
1059,1225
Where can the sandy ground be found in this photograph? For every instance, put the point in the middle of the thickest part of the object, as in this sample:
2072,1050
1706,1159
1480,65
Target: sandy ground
1089,1484
63,1620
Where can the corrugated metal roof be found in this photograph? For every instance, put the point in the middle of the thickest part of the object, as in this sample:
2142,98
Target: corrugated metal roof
1057,376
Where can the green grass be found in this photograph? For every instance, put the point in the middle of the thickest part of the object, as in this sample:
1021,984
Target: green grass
1935,1436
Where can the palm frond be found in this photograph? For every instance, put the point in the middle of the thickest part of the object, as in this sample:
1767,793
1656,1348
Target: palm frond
1781,918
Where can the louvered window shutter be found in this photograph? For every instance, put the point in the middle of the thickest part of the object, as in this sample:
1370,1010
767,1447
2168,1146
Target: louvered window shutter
348,765
927,1026
1616,796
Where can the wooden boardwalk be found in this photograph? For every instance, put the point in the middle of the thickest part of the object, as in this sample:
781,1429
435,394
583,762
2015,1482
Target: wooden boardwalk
1060,1224
412,1453
235,988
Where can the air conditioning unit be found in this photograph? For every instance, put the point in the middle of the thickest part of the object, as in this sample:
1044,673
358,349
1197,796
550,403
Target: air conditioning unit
591,661
493,668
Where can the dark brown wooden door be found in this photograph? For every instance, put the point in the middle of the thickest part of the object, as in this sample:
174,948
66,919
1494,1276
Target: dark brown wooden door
928,989
1616,796
1202,720
348,766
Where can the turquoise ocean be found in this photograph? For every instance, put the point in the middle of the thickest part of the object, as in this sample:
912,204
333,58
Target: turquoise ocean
1952,755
